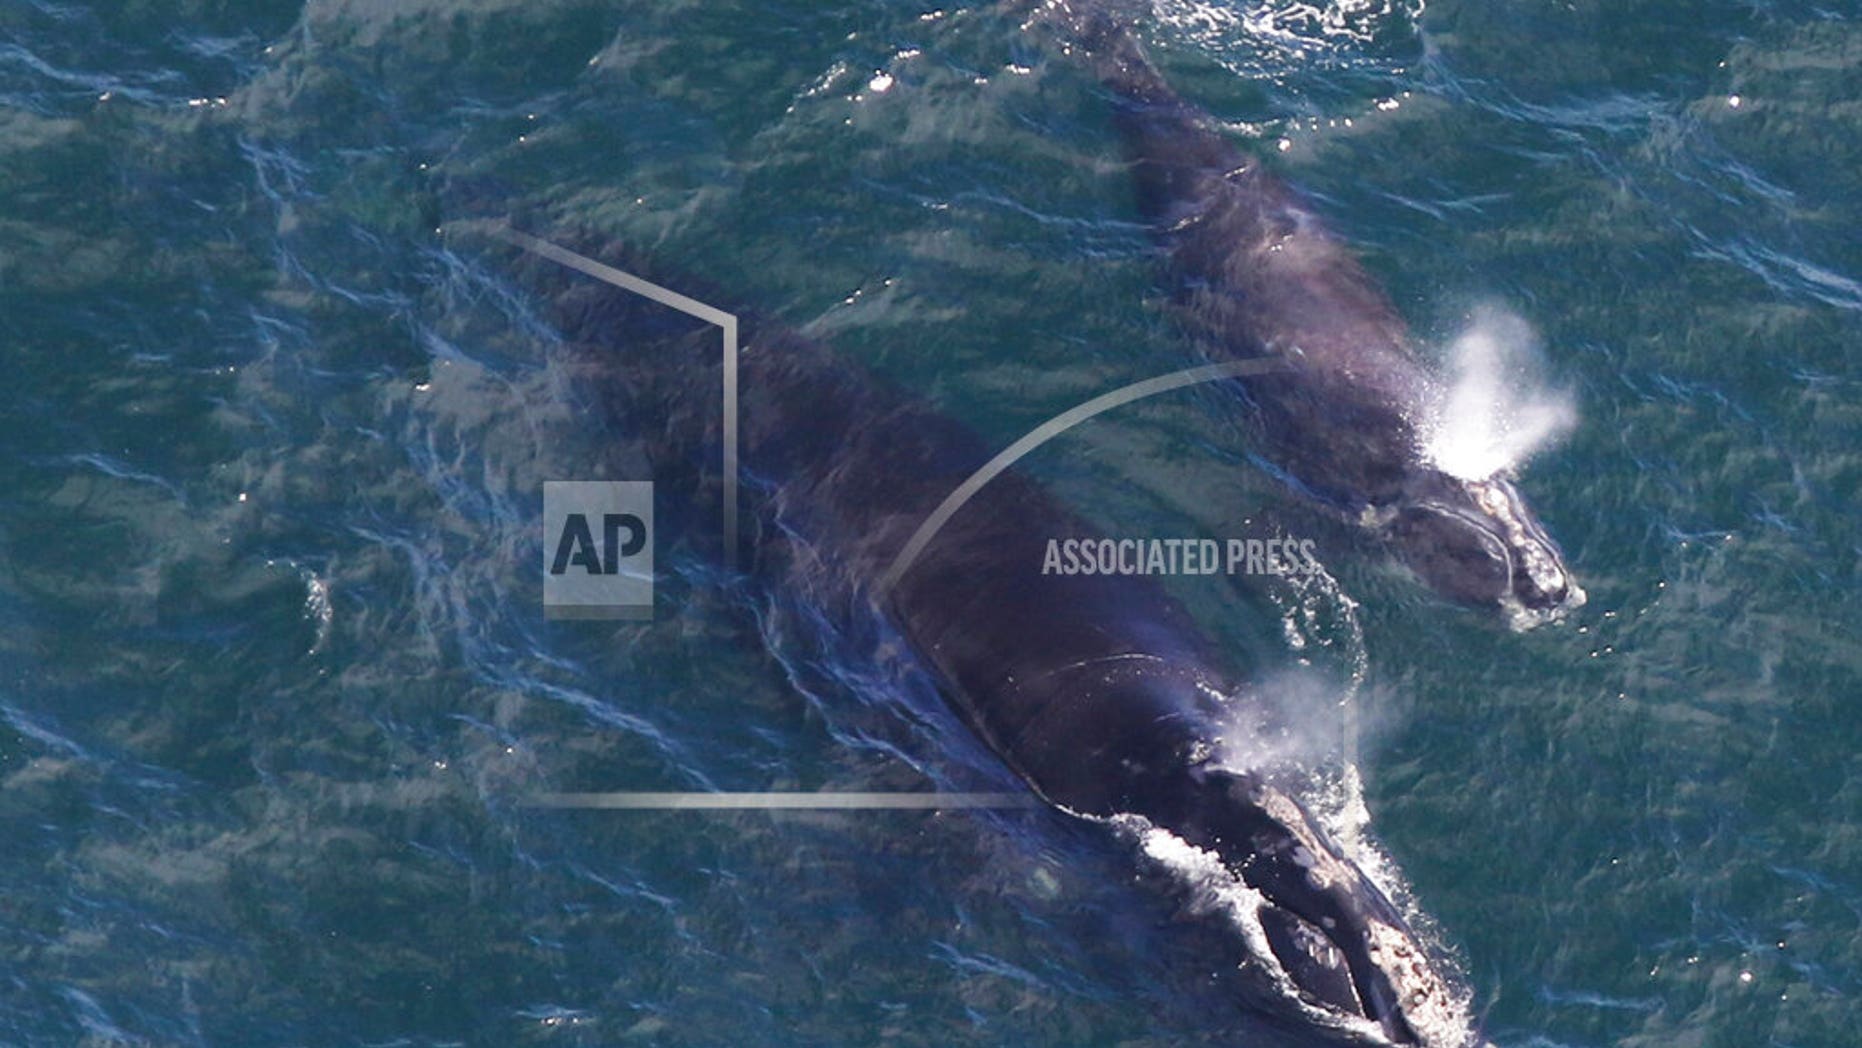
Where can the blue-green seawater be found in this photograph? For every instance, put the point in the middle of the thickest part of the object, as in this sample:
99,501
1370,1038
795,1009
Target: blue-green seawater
274,672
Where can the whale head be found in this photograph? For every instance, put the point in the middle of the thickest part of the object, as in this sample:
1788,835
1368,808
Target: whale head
1477,542
1340,946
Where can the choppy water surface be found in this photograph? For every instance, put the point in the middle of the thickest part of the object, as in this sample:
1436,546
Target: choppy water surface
275,671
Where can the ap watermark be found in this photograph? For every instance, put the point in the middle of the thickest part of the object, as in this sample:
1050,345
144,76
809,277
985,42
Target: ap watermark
598,549
1180,556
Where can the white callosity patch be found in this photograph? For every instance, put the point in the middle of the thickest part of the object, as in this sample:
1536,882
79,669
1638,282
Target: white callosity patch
1432,1009
1529,554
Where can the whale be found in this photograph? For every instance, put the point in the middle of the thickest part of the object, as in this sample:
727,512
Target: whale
1254,274
1100,692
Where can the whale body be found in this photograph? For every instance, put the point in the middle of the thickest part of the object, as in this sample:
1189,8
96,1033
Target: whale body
1255,274
1100,692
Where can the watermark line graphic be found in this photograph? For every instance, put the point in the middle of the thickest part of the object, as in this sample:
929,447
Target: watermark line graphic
665,296
1045,432
602,271
731,536
778,801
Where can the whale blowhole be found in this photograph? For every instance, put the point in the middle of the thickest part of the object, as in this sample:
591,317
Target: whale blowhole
1497,408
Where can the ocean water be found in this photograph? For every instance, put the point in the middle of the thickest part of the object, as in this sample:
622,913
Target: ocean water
275,677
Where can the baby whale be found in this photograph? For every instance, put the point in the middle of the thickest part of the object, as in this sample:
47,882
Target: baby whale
1344,414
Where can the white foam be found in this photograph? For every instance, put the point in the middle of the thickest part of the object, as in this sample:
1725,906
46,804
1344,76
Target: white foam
1293,29
1497,410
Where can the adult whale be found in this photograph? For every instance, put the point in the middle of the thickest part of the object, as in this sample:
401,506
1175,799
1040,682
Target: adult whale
1256,275
1100,692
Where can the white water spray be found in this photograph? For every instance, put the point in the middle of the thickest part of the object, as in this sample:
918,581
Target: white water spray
1498,410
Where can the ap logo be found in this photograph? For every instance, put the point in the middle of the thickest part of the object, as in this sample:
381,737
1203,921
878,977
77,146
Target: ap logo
598,549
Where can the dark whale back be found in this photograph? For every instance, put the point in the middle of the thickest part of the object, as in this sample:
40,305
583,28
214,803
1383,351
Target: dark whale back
1056,671
840,468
